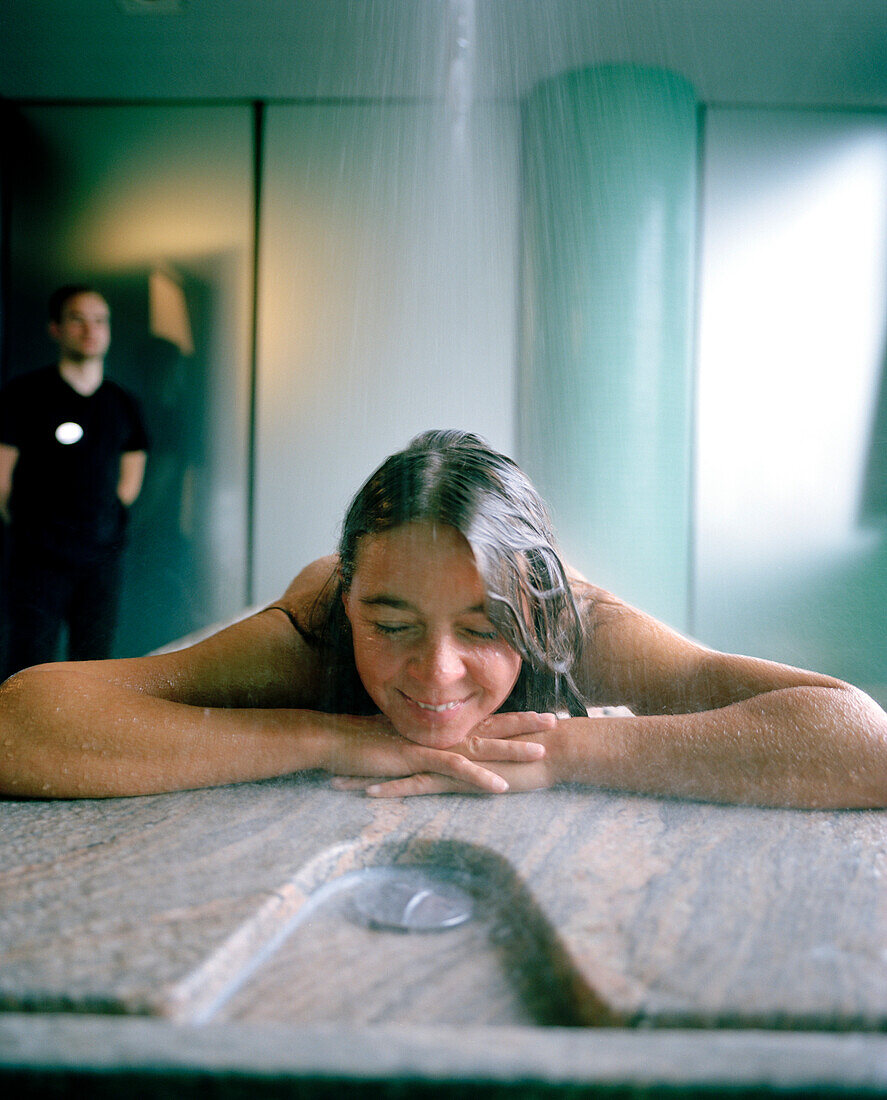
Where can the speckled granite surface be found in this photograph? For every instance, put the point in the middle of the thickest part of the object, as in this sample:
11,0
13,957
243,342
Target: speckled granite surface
643,912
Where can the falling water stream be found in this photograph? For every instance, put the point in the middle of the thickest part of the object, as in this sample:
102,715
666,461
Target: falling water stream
530,220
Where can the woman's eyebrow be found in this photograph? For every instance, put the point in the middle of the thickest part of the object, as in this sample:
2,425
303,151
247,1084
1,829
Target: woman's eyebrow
388,601
384,600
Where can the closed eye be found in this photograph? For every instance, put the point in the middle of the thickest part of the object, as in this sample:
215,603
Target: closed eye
391,628
487,635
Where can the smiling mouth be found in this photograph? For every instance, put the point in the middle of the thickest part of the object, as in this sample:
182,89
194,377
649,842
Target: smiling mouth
434,708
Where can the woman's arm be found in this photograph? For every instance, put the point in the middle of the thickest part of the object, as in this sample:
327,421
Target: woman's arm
718,726
706,725
237,706
804,747
156,723
70,735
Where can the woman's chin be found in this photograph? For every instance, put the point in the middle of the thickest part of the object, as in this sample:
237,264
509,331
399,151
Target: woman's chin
433,738
435,729
433,735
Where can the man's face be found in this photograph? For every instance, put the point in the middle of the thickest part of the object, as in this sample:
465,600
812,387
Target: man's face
84,330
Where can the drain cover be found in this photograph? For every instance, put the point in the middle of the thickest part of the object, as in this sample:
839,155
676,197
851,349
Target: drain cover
408,901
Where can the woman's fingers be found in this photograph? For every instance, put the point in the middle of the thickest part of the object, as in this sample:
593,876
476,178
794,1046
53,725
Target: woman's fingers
422,783
465,778
451,773
485,748
500,737
388,756
501,745
514,723
453,765
405,786
352,782
522,775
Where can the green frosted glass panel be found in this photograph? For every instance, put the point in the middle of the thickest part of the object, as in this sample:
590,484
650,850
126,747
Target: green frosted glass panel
114,195
610,183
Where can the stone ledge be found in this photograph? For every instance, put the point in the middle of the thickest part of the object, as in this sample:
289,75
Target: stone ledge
766,1062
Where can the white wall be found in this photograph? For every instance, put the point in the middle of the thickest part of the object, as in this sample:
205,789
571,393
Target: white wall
387,286
790,564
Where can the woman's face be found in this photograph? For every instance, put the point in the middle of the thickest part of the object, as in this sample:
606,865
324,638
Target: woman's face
427,653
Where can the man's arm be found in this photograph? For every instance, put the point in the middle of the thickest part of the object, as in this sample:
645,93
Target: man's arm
132,474
8,459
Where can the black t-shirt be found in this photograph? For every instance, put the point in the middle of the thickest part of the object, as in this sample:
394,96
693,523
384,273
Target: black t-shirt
64,489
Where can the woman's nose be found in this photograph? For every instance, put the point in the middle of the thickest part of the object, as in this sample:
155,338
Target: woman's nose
439,661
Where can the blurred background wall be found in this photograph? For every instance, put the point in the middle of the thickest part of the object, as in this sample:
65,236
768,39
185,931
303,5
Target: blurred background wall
370,232
154,205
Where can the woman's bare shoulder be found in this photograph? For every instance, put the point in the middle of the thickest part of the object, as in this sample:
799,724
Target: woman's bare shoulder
595,604
260,660
309,586
630,657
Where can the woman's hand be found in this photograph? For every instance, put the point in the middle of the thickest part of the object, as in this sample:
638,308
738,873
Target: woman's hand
500,741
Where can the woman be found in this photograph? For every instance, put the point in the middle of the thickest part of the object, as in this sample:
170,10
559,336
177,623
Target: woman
446,648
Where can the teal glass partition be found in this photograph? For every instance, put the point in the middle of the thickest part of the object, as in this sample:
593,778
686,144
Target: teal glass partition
605,386
154,205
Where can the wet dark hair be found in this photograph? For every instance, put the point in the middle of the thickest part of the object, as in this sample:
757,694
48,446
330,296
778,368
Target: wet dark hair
59,298
453,478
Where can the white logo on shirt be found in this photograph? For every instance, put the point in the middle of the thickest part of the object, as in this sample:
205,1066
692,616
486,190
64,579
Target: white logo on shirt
69,432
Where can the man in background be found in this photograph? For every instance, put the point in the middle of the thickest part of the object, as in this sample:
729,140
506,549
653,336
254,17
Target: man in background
72,459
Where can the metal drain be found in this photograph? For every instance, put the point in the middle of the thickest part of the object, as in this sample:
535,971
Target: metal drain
411,901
